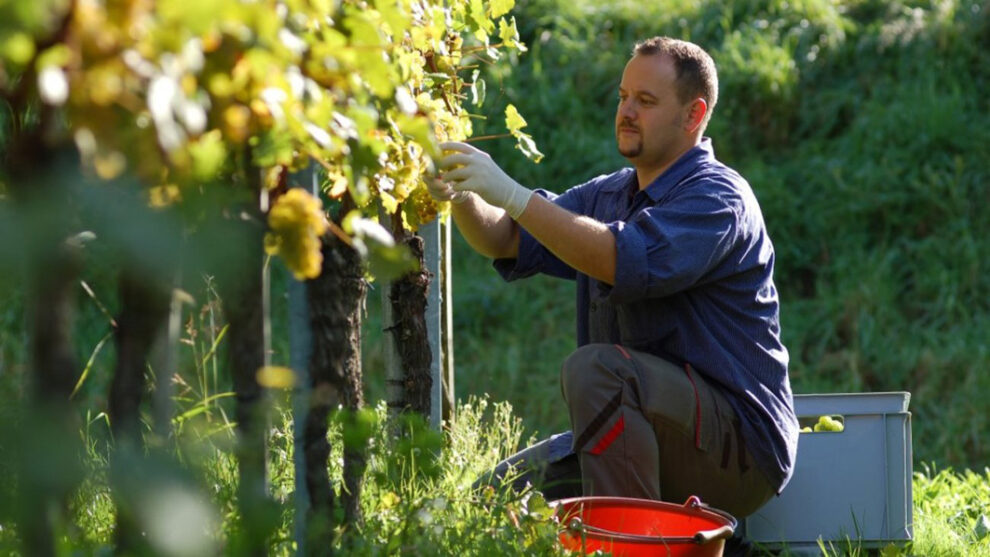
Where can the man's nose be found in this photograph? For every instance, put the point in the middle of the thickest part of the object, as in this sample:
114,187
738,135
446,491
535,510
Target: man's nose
627,110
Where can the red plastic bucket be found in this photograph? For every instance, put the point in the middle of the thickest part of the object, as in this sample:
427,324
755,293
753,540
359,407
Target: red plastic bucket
631,527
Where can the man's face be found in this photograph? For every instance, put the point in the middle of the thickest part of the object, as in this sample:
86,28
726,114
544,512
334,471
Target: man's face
649,121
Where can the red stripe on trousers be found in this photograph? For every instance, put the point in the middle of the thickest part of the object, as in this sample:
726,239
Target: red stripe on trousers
610,436
697,406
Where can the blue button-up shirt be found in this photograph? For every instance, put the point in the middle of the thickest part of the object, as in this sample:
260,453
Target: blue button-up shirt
693,284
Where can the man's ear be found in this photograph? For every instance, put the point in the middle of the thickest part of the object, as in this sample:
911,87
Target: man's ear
695,115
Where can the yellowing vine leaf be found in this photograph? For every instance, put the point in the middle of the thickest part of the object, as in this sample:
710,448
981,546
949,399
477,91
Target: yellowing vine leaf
514,122
498,8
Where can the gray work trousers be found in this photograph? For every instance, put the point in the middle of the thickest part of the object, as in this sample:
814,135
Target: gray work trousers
641,427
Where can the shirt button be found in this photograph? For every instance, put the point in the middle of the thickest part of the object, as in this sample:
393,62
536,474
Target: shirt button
594,306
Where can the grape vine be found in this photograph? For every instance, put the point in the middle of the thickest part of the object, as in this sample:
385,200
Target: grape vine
175,92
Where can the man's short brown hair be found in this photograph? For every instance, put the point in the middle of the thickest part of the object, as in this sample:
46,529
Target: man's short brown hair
696,75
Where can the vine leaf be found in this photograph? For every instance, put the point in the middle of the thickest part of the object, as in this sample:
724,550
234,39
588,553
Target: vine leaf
498,8
509,34
524,142
478,88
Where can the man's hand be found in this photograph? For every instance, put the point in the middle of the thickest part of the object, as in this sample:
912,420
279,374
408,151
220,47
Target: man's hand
442,191
474,171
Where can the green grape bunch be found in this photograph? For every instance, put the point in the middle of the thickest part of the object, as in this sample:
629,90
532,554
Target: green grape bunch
825,423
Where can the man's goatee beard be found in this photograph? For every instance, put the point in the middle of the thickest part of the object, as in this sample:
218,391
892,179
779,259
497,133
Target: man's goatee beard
629,153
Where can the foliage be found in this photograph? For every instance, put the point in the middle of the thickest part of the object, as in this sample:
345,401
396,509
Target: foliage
951,512
185,97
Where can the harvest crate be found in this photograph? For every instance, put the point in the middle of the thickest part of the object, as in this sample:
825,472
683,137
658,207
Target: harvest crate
848,485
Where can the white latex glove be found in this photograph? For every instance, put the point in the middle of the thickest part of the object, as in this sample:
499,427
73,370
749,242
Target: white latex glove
468,169
442,191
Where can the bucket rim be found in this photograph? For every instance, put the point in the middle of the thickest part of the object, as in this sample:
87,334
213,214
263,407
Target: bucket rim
693,505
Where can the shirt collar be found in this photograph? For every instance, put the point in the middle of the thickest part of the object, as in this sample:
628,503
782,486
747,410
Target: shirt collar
701,153
625,179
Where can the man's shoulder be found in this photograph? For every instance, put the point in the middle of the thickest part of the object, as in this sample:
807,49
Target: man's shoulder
718,176
613,181
715,168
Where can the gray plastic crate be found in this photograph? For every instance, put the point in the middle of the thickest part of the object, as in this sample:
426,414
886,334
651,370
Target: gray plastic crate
854,484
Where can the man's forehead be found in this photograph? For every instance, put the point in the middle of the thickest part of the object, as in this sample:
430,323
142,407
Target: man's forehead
649,72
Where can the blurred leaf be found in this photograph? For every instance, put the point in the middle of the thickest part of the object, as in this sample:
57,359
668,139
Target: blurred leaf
197,17
478,88
395,13
498,8
390,262
357,427
56,55
526,144
536,506
276,377
209,155
479,20
18,47
509,34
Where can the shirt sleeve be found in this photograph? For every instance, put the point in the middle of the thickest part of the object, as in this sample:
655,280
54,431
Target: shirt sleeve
533,257
670,247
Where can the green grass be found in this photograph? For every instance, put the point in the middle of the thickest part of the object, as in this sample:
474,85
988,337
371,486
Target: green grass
417,498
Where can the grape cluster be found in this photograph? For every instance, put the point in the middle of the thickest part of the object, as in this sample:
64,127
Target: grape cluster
825,423
296,222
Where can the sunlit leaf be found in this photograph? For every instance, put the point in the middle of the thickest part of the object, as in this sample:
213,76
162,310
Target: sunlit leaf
498,8
509,34
480,21
335,183
396,15
513,120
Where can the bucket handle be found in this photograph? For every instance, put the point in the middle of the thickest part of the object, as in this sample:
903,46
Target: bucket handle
705,536
577,526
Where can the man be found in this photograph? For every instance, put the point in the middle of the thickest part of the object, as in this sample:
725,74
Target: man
679,386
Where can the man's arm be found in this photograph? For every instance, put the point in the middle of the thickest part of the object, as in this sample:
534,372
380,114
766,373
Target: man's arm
581,242
487,229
